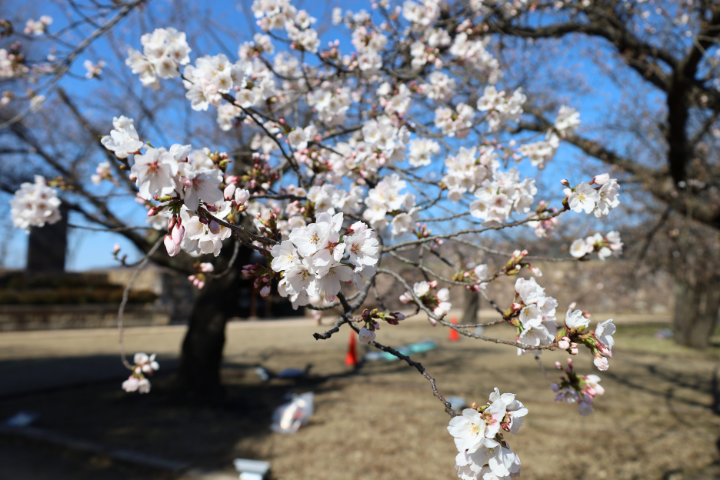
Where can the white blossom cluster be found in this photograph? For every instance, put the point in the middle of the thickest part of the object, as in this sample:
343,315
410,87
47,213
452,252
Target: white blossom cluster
163,51
474,53
582,394
478,433
501,108
386,199
34,205
318,258
539,153
144,365
577,320
605,246
39,26
331,103
452,123
537,315
123,139
599,200
504,194
180,174
468,170
438,302
439,87
210,77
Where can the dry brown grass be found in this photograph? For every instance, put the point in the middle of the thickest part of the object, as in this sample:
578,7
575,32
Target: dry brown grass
382,421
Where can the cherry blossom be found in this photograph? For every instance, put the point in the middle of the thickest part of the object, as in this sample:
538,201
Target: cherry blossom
123,139
34,205
483,452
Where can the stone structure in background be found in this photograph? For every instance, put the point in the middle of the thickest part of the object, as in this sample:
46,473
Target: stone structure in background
47,246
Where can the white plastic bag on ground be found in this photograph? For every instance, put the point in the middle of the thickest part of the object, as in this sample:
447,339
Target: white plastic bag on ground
251,469
289,417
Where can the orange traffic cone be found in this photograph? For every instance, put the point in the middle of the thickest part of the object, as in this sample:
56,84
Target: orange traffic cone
351,356
454,335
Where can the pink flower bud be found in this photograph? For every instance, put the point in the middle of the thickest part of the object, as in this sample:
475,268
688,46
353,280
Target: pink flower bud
601,363
152,212
564,343
604,349
516,306
171,223
574,351
433,284
229,191
116,249
170,246
265,291
601,179
558,365
132,177
214,227
200,285
555,387
565,182
177,234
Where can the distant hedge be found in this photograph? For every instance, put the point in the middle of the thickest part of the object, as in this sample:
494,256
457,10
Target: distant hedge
72,296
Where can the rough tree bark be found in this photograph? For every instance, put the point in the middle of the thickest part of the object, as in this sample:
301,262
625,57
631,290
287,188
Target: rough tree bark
696,312
472,305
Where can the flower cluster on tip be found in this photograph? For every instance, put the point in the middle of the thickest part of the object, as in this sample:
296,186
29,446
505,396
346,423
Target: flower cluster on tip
144,365
599,199
484,454
599,341
372,319
34,205
574,388
436,301
605,246
318,258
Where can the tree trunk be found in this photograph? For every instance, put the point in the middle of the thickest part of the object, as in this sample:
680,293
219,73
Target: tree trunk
202,348
204,341
472,305
696,312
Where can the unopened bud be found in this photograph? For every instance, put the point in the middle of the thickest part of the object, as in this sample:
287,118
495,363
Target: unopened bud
265,291
565,182
558,365
116,249
132,177
214,227
170,246
229,191
177,234
601,179
536,271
